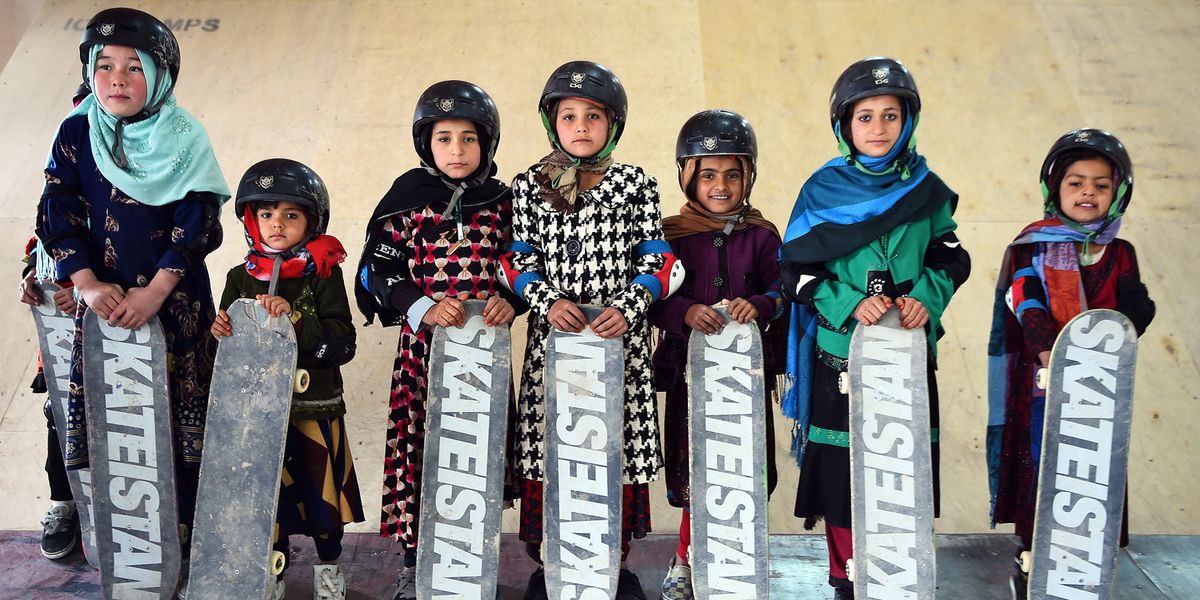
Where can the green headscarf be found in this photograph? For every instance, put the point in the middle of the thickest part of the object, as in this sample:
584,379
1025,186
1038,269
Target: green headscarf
168,154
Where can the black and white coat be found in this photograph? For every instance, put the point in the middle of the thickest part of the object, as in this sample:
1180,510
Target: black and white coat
609,252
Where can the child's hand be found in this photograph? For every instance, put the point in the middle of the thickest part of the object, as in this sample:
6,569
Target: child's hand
449,312
704,319
1044,358
138,306
221,326
274,305
29,290
64,299
498,311
610,324
912,313
101,297
742,310
565,316
871,309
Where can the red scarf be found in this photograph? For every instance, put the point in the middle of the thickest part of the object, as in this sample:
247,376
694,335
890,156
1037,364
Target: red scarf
319,254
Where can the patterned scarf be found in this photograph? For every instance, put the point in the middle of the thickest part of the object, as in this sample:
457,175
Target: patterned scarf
558,178
318,254
156,160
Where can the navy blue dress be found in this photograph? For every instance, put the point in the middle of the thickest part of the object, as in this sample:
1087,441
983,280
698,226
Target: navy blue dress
85,222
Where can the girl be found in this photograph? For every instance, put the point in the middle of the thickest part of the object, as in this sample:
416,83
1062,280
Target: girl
129,211
1068,262
434,241
586,230
730,253
284,207
871,228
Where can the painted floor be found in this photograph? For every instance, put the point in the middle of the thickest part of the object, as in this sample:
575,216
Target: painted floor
974,566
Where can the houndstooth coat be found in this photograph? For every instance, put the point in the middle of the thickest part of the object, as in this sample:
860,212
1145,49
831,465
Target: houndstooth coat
609,251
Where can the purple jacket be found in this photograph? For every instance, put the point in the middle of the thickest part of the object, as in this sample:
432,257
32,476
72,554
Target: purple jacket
751,271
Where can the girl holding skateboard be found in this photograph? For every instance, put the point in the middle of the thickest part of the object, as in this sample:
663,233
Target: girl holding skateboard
1068,262
729,250
871,229
586,230
435,239
129,211
284,208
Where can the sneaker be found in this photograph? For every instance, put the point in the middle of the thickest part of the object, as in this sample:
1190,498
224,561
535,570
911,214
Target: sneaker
328,583
1018,582
677,585
536,588
60,531
840,594
628,586
279,592
406,585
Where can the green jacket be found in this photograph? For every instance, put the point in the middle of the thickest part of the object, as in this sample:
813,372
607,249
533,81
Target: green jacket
320,312
836,297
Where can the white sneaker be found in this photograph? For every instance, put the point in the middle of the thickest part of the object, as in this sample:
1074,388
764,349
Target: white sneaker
406,585
328,583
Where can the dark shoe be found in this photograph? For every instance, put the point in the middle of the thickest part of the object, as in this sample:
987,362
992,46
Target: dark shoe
60,531
843,589
840,594
536,589
628,586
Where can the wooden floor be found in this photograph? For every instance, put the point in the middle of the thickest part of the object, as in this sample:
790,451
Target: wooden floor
333,83
974,566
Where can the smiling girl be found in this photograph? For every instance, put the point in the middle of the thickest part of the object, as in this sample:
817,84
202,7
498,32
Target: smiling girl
1066,263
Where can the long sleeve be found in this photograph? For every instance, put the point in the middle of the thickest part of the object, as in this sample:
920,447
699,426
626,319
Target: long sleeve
325,333
946,265
655,263
196,231
524,265
63,211
770,302
386,276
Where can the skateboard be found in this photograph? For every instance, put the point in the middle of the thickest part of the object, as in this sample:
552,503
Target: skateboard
891,476
585,406
132,458
56,333
1085,451
462,485
727,432
250,400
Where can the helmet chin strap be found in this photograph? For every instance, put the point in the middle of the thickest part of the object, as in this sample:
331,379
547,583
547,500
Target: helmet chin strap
604,152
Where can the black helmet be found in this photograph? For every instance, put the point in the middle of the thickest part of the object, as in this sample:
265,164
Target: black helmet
282,179
872,77
717,133
457,100
586,79
136,29
1100,142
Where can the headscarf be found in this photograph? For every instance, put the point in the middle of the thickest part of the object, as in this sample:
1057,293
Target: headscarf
320,253
694,218
166,155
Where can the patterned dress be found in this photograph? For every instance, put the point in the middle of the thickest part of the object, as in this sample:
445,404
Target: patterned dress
86,223
433,262
609,252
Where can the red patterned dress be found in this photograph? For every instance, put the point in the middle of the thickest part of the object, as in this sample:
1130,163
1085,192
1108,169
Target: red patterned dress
414,257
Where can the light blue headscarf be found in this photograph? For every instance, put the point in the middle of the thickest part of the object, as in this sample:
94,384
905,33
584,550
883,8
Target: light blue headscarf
167,154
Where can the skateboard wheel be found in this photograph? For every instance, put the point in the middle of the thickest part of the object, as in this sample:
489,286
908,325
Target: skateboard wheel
1026,560
278,560
301,382
844,382
850,569
1042,378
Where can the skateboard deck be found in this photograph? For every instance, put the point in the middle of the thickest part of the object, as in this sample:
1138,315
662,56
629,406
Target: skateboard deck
728,462
250,400
1085,450
462,485
56,333
891,477
585,406
132,458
